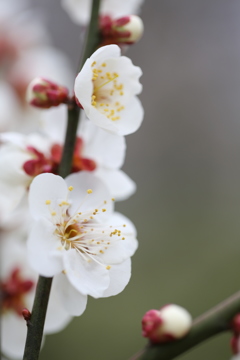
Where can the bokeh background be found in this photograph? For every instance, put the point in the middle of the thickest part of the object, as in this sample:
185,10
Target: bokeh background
185,161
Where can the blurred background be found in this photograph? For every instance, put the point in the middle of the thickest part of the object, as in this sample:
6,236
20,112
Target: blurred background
185,161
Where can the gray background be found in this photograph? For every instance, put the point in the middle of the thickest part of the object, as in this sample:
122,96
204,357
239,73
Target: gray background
185,161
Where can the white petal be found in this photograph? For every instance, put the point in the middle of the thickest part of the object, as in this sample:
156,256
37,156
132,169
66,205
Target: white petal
83,202
121,249
83,87
14,138
54,123
71,299
57,317
12,159
106,52
129,75
119,277
130,121
13,335
46,187
120,184
44,249
89,278
10,197
106,149
118,220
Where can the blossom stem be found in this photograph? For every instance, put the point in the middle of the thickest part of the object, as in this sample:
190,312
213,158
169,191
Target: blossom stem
36,324
92,41
207,325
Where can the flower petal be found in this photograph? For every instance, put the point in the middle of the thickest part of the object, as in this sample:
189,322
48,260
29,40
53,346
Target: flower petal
44,249
131,118
120,184
71,299
127,244
106,149
119,277
106,52
46,187
83,86
81,201
57,317
13,334
89,278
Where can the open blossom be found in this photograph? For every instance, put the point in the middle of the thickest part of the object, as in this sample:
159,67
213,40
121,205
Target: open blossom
106,88
79,10
22,157
17,286
77,237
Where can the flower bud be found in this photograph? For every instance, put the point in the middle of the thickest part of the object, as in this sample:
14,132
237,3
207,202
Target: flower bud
129,29
234,343
44,94
170,323
125,30
26,314
235,325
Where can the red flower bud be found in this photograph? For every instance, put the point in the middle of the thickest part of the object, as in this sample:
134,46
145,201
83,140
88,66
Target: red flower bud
44,94
125,30
167,324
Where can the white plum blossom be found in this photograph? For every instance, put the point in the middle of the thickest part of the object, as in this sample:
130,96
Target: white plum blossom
17,285
106,88
79,10
78,238
22,157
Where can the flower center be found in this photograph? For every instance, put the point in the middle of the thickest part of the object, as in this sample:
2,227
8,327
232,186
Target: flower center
41,164
13,291
82,232
107,92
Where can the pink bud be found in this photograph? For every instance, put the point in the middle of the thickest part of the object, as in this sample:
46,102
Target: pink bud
125,30
26,314
44,94
234,343
129,31
236,324
170,323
